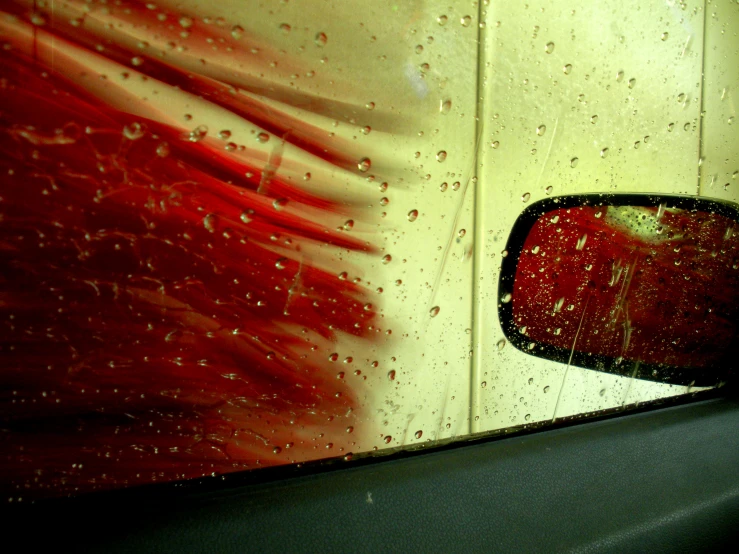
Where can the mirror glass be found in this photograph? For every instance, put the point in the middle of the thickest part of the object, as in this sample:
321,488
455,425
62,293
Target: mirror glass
646,289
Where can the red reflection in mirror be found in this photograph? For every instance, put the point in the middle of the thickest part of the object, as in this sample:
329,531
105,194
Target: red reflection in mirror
644,284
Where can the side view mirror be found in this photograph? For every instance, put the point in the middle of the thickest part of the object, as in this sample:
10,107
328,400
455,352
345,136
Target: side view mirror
639,285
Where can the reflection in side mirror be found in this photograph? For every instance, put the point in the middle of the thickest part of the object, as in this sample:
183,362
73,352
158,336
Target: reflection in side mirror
638,285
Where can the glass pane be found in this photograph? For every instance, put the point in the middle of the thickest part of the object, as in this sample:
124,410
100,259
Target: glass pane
239,234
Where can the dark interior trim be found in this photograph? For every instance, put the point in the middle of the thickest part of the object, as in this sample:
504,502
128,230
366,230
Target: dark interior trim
661,480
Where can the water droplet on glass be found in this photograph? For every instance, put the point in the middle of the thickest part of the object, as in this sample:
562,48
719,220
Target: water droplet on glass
198,133
418,434
348,225
506,298
567,69
604,153
670,127
455,185
730,120
632,82
277,450
163,150
237,31
370,105
387,439
445,106
465,21
366,130
526,197
484,384
546,389
443,187
549,189
594,119
462,233
412,215
391,375
186,22
333,357
527,417
681,97
665,35
285,28
136,61
501,344
549,48
433,312
541,129
320,39
225,134
574,162
281,263
386,259
210,222
279,203
134,131
494,145
245,217
419,49
364,165
441,156
384,201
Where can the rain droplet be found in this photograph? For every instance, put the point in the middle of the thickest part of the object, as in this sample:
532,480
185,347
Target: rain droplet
136,61
494,145
433,312
501,344
604,153
665,35
419,49
186,22
279,203
384,201
632,82
281,263
225,134
462,233
366,130
445,106
594,119
549,48
455,185
546,389
412,215
670,127
484,384
418,434
527,417
391,375
245,217
567,69
541,129
465,21
364,165
387,258
262,137
549,189
387,439
441,156
681,97
370,105
285,28
574,162
442,19
506,298
237,31
620,76
333,357
348,225
526,197
277,450
320,39
443,187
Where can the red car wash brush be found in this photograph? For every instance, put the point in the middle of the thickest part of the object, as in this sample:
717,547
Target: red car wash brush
166,297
